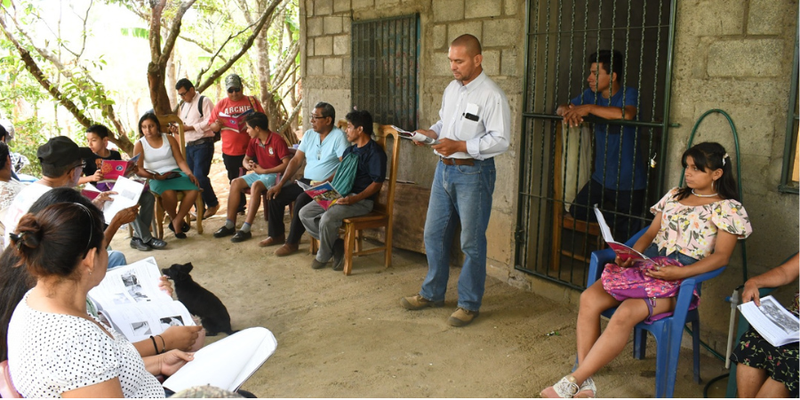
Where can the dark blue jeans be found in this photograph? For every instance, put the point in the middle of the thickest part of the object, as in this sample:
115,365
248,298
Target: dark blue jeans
198,157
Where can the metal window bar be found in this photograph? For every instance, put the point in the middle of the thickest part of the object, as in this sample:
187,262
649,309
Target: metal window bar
788,185
561,36
384,69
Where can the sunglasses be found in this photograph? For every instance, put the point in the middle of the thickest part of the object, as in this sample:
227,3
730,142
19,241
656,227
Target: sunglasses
233,90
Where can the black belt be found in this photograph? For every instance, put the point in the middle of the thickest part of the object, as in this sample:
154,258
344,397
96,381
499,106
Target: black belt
200,141
457,161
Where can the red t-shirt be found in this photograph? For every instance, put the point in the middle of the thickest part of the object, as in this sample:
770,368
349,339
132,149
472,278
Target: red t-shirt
234,144
270,154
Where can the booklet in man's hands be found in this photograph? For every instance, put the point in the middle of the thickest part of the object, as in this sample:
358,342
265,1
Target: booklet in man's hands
323,193
624,252
235,122
416,136
776,324
113,169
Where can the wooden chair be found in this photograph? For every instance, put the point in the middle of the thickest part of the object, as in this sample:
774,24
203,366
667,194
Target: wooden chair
382,214
165,120
561,219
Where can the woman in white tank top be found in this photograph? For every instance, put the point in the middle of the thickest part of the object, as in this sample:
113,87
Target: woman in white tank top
163,164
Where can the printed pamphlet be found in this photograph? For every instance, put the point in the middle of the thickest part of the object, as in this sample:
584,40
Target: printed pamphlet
775,324
416,136
131,301
113,169
624,252
323,193
128,193
226,363
234,122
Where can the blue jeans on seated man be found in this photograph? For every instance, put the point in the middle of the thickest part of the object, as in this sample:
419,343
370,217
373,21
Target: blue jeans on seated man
324,225
459,193
198,157
116,259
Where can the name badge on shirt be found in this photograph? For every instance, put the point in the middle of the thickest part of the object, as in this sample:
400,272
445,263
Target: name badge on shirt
271,152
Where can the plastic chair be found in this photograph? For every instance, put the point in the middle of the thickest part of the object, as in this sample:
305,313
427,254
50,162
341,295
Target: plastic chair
668,332
7,390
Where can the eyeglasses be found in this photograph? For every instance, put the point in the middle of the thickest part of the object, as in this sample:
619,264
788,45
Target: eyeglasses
183,94
232,90
82,165
314,117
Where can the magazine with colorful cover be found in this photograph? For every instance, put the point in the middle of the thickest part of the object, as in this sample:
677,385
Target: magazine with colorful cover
323,193
624,252
113,169
235,122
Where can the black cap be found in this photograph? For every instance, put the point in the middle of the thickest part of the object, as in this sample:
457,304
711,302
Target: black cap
61,151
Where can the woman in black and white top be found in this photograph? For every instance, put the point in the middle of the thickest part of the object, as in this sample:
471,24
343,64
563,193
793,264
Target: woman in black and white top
56,349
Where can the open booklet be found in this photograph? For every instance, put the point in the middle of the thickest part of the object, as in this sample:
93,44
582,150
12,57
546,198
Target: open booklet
415,136
624,252
235,122
113,169
775,324
226,363
323,193
130,299
128,193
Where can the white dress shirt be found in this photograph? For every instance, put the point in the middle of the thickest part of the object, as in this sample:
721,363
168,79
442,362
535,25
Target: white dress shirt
191,117
487,136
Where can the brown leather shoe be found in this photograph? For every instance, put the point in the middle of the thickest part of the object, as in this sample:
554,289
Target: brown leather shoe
271,241
462,317
286,249
210,212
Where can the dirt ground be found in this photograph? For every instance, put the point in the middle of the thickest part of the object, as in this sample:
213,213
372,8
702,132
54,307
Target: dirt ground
347,336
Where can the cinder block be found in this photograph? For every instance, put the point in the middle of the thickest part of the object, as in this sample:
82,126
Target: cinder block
341,6
457,29
501,32
439,39
508,62
512,6
333,66
333,24
769,17
323,46
314,26
380,4
439,65
448,10
323,7
310,48
710,18
741,58
314,66
482,8
361,4
341,45
499,237
491,62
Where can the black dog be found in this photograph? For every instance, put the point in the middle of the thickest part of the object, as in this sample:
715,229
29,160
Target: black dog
199,301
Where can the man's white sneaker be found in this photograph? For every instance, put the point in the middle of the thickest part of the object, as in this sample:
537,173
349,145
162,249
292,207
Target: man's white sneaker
566,388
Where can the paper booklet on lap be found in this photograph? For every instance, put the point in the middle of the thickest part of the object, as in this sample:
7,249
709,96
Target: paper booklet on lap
113,169
226,363
415,136
623,251
323,193
235,122
130,299
128,193
776,324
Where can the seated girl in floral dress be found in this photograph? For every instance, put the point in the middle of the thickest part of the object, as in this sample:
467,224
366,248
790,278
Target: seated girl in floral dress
698,226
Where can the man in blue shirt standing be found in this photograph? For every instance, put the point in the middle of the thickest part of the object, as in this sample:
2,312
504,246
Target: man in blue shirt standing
619,178
474,126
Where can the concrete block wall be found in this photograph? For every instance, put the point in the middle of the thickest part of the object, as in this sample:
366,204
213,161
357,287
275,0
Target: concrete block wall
735,56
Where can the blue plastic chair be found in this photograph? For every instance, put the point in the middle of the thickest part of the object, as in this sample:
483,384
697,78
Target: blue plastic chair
668,332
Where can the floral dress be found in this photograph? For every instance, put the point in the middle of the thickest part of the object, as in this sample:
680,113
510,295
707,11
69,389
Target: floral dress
779,362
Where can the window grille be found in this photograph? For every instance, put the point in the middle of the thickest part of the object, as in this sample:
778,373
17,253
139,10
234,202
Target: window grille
561,36
790,174
384,65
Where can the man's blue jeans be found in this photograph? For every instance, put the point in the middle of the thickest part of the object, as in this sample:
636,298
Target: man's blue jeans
459,193
198,157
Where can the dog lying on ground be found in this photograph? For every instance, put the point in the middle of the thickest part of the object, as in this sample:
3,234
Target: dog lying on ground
198,300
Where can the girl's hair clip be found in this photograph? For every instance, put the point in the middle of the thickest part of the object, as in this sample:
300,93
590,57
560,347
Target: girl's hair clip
724,157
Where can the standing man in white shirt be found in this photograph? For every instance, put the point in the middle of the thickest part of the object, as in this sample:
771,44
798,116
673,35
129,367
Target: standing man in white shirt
194,112
474,126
